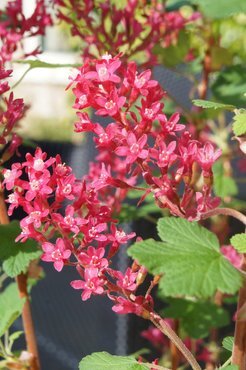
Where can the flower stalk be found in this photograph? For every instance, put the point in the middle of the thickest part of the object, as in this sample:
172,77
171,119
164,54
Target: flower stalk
170,333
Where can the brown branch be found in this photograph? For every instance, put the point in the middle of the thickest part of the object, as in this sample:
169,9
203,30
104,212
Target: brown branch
170,333
239,347
226,212
174,350
204,85
22,287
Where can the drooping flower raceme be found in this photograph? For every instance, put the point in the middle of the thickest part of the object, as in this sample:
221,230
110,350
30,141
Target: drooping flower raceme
105,26
140,143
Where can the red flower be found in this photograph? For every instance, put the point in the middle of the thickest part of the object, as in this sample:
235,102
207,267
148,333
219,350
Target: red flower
207,155
134,149
58,253
93,284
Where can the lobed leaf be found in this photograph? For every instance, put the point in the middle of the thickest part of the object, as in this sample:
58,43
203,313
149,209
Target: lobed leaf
212,105
239,242
239,124
220,8
197,318
10,307
224,186
16,257
190,260
229,87
227,343
106,361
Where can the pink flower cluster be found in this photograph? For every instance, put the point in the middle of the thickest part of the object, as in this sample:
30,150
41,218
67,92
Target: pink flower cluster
85,236
140,141
135,28
14,26
11,111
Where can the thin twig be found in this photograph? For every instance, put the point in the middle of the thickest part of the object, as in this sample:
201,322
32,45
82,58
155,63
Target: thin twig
226,212
156,367
168,331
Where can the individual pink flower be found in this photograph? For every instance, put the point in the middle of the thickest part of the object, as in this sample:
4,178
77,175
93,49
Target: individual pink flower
105,135
70,222
206,202
58,253
66,187
15,200
93,258
138,306
37,213
93,284
119,236
105,71
207,155
232,255
151,111
135,148
110,105
103,179
142,81
165,154
38,185
38,162
10,176
171,125
127,281
93,230
124,306
84,124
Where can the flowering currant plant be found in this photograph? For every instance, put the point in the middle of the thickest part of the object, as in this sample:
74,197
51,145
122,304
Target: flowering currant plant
173,161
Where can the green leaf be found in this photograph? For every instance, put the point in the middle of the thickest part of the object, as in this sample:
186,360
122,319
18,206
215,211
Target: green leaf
239,242
16,257
229,367
224,186
105,361
40,64
131,213
10,307
230,86
220,8
190,260
227,343
197,318
178,231
13,337
174,54
239,124
207,104
119,4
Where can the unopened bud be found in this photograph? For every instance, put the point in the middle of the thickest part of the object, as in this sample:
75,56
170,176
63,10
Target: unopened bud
141,275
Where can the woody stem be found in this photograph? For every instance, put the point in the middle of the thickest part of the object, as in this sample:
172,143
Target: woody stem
239,346
22,287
